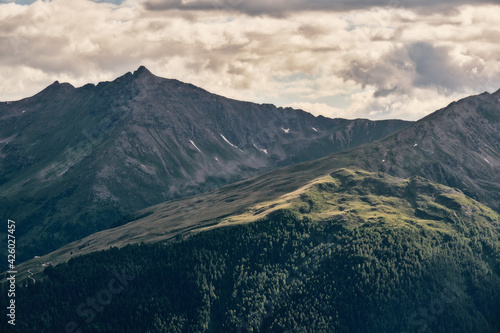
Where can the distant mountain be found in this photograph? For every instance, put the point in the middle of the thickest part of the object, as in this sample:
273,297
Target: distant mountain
75,160
458,146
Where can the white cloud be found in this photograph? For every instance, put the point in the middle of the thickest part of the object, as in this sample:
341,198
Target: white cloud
322,109
371,62
410,107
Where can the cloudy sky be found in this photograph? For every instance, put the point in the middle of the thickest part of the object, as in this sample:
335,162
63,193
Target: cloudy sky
374,59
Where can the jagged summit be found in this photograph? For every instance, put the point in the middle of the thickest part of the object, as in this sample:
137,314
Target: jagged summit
61,85
143,71
145,80
142,75
55,88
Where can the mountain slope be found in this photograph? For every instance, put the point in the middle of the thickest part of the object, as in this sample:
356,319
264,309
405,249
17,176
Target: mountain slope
74,160
442,148
458,146
354,252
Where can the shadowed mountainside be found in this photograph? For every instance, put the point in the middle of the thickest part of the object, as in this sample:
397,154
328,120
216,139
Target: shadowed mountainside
74,160
456,146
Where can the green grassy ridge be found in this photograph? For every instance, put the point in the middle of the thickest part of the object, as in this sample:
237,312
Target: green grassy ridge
344,193
363,269
376,197
177,217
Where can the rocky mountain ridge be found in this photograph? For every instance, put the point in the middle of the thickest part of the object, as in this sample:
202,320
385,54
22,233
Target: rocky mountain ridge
74,160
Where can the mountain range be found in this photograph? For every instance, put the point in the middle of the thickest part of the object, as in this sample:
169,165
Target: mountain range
400,233
77,160
457,146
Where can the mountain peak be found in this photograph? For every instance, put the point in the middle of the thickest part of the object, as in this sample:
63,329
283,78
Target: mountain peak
56,86
143,71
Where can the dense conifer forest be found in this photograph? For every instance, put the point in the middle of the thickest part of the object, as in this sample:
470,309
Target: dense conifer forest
286,273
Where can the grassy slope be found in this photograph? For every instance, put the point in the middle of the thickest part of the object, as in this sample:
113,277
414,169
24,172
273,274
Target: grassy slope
371,197
167,220
351,243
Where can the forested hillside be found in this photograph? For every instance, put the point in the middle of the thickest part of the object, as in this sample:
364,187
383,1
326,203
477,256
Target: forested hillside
359,252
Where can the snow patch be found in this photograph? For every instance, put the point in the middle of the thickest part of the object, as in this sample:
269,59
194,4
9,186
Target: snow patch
487,161
23,111
262,150
416,144
217,159
286,130
9,139
315,130
229,142
198,149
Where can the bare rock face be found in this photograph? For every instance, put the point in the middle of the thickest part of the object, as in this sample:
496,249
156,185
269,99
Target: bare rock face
73,160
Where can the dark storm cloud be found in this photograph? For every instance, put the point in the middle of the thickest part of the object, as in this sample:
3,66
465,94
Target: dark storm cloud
281,7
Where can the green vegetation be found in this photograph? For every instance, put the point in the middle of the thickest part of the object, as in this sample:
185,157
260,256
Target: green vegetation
352,252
